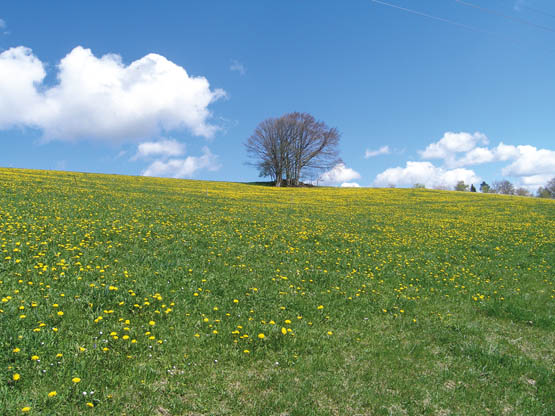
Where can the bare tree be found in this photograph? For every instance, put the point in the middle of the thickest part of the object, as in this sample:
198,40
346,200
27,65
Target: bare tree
503,187
550,187
522,192
292,146
548,191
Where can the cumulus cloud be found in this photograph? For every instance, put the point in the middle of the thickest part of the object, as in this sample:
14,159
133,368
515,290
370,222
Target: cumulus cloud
350,185
238,67
102,98
164,148
183,168
530,165
505,152
425,173
533,182
337,175
475,156
451,144
531,161
384,150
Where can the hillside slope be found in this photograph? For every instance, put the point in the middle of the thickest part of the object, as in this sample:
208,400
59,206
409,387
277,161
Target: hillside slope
133,295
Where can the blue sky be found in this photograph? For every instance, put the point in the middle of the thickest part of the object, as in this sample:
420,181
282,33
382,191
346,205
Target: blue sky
175,88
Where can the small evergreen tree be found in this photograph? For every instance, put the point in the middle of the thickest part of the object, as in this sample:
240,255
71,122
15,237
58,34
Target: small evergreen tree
484,187
472,188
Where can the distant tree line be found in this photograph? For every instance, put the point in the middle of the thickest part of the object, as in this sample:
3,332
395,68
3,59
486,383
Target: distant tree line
505,187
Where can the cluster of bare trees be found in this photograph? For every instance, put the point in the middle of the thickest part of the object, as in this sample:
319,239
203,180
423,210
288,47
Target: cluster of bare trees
292,147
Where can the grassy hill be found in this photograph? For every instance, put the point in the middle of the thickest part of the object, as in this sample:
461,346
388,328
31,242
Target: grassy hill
141,296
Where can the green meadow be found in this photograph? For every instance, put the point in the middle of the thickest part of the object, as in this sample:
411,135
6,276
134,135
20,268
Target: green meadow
144,296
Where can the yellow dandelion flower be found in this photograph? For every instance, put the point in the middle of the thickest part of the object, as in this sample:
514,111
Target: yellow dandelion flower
16,377
52,394
76,380
25,409
283,331
261,336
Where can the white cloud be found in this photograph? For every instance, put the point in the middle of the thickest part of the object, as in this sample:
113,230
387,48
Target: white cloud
505,152
451,144
338,174
384,150
183,168
101,98
531,161
425,173
476,156
533,182
238,67
2,24
350,185
120,154
164,148
529,164
19,72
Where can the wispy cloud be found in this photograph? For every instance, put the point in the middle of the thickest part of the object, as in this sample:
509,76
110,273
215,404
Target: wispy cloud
4,27
384,150
518,5
162,148
238,67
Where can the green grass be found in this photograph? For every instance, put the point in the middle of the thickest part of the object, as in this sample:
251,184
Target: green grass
392,301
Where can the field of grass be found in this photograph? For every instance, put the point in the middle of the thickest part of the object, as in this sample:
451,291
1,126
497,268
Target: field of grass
144,296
